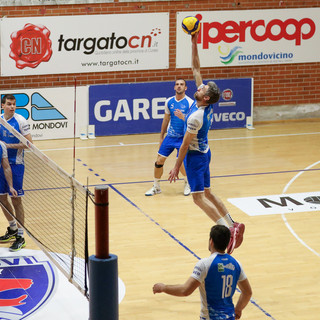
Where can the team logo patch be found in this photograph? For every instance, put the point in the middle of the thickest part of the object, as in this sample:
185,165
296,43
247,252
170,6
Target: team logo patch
25,285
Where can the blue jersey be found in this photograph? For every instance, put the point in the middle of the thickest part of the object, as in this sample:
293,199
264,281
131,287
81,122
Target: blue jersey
218,275
176,126
198,122
18,122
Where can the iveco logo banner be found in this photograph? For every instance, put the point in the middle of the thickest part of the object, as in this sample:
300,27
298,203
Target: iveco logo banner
139,107
253,37
65,44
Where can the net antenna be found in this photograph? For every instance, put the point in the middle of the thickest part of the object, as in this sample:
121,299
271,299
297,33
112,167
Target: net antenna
73,198
48,212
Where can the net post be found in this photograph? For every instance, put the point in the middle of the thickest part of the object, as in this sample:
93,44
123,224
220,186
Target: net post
103,268
101,194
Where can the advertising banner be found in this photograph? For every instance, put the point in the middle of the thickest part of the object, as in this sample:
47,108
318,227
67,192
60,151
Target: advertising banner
252,37
90,43
50,111
119,109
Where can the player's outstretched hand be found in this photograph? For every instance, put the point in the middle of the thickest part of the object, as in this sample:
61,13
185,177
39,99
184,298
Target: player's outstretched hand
158,288
173,175
194,37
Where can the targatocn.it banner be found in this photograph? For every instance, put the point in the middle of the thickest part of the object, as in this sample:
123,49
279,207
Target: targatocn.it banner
252,37
90,43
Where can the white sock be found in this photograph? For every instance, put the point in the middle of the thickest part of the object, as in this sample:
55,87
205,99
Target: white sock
20,232
13,225
222,222
229,220
185,179
156,183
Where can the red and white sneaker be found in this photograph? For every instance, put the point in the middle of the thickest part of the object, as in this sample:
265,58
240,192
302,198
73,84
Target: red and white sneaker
232,242
237,231
240,227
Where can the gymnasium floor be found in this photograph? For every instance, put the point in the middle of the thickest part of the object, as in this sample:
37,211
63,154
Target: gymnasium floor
160,238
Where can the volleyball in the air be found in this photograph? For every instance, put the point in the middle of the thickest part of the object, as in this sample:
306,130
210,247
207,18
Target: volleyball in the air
190,25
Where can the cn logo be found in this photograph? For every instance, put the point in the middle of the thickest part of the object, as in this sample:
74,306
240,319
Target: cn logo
41,109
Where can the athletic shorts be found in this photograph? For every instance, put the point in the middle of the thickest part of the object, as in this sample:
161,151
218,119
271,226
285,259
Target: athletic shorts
168,145
17,179
197,169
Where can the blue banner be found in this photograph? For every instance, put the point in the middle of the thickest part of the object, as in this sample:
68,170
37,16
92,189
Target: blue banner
135,108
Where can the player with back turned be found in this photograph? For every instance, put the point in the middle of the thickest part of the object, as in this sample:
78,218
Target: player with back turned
196,154
217,277
16,160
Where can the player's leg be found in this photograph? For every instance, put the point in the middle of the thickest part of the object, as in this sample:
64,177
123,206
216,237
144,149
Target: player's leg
236,229
194,164
165,150
187,189
6,207
12,230
182,170
17,178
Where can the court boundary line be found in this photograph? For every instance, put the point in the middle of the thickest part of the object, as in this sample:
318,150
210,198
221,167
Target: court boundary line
286,222
122,145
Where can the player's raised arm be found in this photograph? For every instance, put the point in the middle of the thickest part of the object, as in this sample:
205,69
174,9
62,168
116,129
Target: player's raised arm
195,61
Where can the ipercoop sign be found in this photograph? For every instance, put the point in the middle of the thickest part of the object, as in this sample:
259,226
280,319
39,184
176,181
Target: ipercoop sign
233,38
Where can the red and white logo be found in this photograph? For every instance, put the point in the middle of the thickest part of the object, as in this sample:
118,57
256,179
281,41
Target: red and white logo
30,46
227,94
259,30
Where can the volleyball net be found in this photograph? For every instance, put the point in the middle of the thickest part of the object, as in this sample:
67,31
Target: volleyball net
55,210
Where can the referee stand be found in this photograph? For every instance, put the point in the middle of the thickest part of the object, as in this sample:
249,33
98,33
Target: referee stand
103,267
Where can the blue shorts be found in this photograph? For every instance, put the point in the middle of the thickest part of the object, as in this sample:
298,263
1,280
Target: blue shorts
168,145
17,179
197,169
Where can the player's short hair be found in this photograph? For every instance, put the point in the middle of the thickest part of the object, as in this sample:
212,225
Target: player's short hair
220,236
185,82
213,92
7,97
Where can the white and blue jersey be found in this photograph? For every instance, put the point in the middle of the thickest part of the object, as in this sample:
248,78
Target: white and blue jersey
218,275
3,151
176,125
198,122
18,122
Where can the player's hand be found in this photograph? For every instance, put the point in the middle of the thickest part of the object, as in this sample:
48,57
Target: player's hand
238,313
178,113
194,37
13,192
158,288
174,174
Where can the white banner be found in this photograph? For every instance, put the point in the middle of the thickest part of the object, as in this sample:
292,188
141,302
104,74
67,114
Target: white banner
50,111
278,203
252,37
90,43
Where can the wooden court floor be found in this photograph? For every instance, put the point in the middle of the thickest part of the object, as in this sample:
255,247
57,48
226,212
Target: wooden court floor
160,238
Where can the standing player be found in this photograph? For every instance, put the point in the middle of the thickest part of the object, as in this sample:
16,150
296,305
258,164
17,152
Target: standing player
217,278
180,103
16,160
196,154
